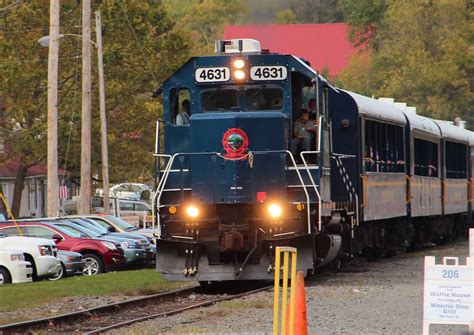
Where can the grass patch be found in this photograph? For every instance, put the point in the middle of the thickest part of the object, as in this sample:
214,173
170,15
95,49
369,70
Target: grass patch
125,283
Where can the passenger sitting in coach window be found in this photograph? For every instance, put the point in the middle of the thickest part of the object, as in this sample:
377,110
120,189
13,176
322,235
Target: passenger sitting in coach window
182,119
303,132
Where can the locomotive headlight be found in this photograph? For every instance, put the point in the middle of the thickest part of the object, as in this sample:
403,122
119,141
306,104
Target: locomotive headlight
274,210
192,211
238,63
239,74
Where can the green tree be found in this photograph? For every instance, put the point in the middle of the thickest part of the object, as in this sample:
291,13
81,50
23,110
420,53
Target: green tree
139,53
316,11
424,58
286,16
365,18
204,20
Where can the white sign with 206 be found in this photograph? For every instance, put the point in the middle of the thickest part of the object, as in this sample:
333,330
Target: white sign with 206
448,292
212,74
268,73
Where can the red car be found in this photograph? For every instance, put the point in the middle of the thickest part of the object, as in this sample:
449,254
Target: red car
99,255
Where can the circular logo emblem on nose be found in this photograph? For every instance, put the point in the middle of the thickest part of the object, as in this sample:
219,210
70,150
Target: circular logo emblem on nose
235,143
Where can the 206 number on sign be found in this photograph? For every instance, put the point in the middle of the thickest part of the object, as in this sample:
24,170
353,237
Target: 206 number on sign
268,73
212,74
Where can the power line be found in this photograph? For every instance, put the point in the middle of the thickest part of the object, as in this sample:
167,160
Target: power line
139,45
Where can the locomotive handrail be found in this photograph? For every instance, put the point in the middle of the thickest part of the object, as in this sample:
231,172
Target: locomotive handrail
166,172
337,157
156,193
302,153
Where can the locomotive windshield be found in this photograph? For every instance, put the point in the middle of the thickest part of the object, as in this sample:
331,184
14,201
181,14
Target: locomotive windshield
219,100
252,99
260,99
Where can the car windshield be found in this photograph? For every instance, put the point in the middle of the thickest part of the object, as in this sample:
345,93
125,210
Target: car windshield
86,225
261,99
70,231
219,100
121,223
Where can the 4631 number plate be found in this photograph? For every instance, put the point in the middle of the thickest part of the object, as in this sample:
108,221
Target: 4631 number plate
268,73
212,74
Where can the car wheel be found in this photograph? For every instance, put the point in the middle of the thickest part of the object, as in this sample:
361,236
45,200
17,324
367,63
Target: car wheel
92,265
5,277
61,273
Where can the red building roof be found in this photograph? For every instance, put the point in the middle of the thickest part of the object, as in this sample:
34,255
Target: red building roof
323,45
10,169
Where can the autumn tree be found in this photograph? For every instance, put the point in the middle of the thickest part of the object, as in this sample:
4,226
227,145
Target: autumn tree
142,46
204,20
424,57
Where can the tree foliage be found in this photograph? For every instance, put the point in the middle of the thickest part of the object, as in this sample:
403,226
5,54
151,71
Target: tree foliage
204,20
130,81
365,18
424,56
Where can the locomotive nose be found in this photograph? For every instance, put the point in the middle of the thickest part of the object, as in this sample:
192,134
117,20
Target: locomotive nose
247,159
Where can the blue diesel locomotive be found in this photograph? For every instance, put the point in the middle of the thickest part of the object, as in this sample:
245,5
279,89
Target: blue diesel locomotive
375,177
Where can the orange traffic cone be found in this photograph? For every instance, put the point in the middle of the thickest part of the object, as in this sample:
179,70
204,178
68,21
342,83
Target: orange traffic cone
300,326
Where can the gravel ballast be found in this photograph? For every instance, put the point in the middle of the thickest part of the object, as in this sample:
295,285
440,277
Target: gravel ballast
384,297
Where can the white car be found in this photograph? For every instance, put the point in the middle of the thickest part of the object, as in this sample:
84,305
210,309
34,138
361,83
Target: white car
130,191
40,252
13,267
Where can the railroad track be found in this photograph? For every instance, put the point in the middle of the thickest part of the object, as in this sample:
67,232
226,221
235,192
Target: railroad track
111,316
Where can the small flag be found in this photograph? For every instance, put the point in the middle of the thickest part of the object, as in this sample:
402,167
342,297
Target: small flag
63,192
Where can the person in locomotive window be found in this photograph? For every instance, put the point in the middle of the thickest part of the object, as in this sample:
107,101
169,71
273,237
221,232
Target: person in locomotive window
312,109
303,132
182,119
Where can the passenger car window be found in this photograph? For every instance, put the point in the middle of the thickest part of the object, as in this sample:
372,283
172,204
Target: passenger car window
126,207
11,231
35,231
105,225
140,207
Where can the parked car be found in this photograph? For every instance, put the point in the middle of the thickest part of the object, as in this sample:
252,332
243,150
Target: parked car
143,242
130,191
99,255
132,250
129,209
118,225
40,252
14,268
72,264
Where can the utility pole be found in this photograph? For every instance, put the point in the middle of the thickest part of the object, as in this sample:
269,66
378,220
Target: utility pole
53,56
103,117
85,196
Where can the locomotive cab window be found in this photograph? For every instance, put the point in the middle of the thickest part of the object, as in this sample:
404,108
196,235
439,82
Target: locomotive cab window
261,99
181,107
219,100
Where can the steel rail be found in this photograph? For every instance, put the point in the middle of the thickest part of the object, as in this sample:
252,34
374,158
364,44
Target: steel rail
25,325
176,311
